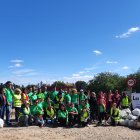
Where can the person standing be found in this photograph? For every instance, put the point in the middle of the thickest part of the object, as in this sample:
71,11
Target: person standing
2,102
125,101
9,99
17,103
93,106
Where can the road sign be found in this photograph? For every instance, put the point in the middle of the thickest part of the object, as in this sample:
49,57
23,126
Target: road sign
131,82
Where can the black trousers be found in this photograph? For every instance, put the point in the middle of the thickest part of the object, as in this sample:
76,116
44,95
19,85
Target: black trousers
73,119
62,121
102,116
17,111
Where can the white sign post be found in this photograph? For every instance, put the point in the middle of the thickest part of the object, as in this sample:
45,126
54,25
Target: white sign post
135,98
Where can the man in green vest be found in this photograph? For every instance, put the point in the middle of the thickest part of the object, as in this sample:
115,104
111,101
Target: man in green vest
125,101
9,99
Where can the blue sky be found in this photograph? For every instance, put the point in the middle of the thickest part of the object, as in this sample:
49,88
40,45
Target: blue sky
68,40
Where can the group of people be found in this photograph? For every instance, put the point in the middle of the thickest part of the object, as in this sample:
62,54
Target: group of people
37,106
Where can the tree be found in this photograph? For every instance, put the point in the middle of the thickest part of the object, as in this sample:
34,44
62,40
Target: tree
81,85
59,85
107,81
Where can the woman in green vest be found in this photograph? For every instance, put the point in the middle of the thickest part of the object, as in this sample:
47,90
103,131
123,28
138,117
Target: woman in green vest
62,116
50,114
84,117
115,115
25,115
17,103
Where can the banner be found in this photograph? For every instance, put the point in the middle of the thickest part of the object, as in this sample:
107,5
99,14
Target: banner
135,98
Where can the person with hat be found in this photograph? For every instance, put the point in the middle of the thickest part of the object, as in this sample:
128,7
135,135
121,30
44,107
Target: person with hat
9,99
17,102
25,115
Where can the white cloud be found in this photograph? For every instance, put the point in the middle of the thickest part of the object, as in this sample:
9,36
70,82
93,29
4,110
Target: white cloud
91,68
125,68
78,78
128,33
17,65
76,75
97,52
111,62
23,72
17,61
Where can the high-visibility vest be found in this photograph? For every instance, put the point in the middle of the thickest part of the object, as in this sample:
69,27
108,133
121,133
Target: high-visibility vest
17,100
26,112
125,101
115,114
50,113
84,116
56,105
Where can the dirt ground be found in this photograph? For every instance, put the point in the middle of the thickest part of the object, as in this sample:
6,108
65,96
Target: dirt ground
88,133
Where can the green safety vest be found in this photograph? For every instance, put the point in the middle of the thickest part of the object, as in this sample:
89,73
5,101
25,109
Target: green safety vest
50,113
84,116
26,111
125,101
17,100
56,105
116,113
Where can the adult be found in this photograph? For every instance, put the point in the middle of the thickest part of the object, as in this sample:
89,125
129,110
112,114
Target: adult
125,101
93,106
114,113
2,102
9,98
17,102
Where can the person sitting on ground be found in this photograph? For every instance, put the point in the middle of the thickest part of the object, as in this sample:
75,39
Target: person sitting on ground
37,113
115,115
73,114
50,114
25,115
84,117
62,116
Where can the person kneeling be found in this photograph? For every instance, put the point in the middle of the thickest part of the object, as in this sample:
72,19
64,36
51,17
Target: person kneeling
62,116
84,117
114,114
50,115
25,117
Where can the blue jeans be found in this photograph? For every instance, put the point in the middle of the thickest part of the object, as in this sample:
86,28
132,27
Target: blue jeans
8,113
2,111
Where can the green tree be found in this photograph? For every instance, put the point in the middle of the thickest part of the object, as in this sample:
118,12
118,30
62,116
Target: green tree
107,81
81,85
